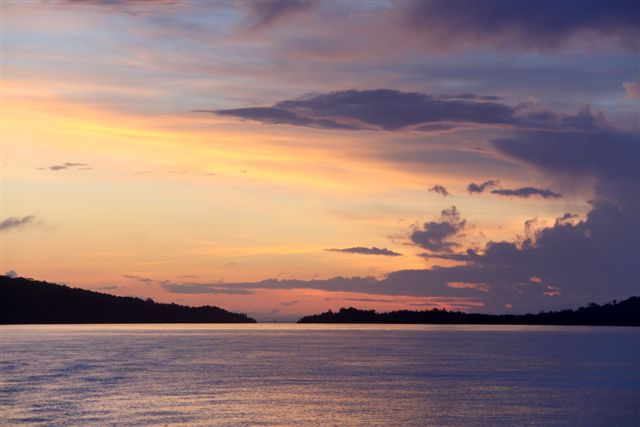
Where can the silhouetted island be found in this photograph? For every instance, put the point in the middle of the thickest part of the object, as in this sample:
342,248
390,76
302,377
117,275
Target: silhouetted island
30,301
624,313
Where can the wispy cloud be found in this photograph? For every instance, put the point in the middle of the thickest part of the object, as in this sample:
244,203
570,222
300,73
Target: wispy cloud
203,288
69,165
19,222
107,288
142,279
265,13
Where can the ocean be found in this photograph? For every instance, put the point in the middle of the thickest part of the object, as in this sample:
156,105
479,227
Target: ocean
319,375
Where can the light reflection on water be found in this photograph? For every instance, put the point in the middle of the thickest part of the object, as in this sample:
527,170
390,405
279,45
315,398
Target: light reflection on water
286,374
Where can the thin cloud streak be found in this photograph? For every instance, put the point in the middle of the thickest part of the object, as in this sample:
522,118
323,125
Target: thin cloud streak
525,192
366,251
70,165
203,288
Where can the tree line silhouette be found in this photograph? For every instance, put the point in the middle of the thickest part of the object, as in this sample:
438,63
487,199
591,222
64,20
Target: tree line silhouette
25,300
624,313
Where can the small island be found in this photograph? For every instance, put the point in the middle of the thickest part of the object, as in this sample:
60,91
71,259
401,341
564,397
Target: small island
27,301
624,313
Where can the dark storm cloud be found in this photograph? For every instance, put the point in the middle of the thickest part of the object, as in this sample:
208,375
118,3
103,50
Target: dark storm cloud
604,154
573,262
440,190
18,222
540,25
438,236
479,188
570,263
365,251
592,259
525,192
392,110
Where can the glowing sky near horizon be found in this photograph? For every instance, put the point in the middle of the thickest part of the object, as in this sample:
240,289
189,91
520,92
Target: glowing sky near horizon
243,155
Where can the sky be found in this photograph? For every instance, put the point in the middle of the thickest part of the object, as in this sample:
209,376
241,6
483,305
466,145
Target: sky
283,158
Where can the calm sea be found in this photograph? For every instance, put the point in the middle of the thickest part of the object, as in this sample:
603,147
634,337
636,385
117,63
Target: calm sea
286,374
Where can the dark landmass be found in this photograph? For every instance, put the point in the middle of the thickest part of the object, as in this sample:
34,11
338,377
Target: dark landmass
624,313
30,301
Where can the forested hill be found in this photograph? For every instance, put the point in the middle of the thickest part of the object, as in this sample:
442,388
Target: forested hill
624,313
31,301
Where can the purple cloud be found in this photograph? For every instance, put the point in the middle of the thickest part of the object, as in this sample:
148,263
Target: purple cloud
439,189
480,188
438,236
392,110
525,192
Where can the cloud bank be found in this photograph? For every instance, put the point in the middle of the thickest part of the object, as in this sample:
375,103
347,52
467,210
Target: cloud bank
574,261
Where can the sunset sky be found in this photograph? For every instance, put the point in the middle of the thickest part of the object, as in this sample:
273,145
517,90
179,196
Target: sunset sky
285,158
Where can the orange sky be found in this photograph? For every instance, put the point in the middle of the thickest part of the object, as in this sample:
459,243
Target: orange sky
157,193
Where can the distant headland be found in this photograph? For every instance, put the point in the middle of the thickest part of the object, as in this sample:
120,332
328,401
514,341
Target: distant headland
624,313
27,301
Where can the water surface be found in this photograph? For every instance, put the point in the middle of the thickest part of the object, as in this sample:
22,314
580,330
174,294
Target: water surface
286,374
